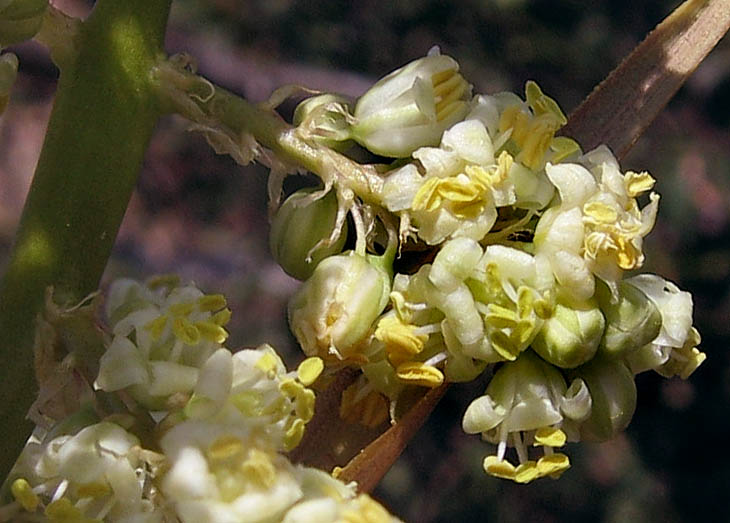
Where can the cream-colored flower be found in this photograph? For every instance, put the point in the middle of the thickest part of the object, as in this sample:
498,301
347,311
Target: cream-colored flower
411,107
163,334
460,190
597,229
527,403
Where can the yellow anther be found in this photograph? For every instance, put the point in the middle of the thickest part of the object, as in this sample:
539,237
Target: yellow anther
248,402
305,404
309,370
535,144
258,468
442,76
185,331
156,327
550,437
224,448
336,471
291,387
211,302
268,364
294,434
600,212
401,340
553,465
526,472
637,183
499,468
541,104
416,373
211,331
23,493
163,280
500,317
504,164
503,345
221,317
181,309
93,490
444,111
513,117
563,147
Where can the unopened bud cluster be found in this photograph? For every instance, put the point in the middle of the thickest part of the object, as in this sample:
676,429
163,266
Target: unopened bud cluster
513,251
178,428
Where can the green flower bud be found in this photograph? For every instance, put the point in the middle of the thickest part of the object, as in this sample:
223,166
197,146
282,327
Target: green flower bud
325,119
333,311
631,322
20,20
613,393
8,72
302,230
571,336
411,107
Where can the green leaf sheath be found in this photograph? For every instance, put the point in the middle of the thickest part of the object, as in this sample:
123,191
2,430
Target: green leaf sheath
102,120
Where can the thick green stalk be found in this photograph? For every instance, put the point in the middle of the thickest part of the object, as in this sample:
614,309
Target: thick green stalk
102,120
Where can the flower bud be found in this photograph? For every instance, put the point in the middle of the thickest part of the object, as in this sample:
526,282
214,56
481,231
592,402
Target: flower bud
20,20
335,308
325,119
411,107
301,230
613,393
8,72
631,323
571,336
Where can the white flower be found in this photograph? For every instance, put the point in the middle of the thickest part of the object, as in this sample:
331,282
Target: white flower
253,389
411,107
597,228
96,474
674,351
163,334
220,474
526,403
461,189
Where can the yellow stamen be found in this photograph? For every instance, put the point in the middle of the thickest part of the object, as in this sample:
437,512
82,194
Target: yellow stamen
416,373
156,327
294,434
211,302
526,472
23,493
211,331
499,468
181,309
550,437
309,370
221,317
637,183
185,331
553,465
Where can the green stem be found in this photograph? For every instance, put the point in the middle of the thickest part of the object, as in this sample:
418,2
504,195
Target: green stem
197,99
102,120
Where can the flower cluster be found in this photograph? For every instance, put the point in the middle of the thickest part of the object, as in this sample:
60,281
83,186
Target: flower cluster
513,247
180,429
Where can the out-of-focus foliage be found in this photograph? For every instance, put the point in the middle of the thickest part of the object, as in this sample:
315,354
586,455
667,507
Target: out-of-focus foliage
205,218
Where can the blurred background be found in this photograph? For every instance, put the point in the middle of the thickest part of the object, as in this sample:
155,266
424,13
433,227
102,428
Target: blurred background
204,217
